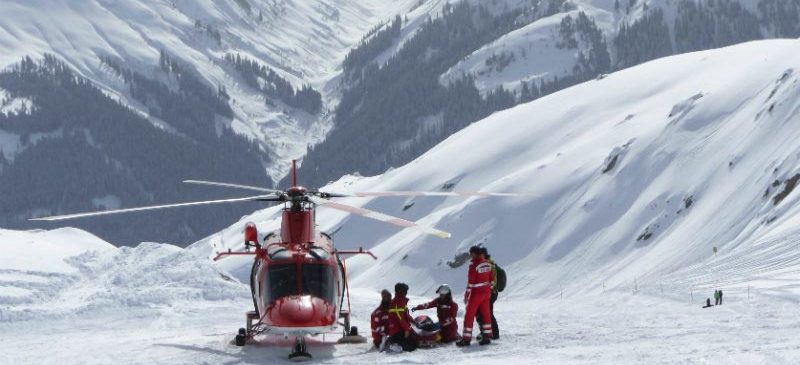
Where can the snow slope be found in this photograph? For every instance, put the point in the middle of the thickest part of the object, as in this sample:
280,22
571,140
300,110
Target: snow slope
694,149
532,51
304,41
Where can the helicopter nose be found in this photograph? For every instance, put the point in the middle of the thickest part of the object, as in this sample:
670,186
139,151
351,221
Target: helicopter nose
297,309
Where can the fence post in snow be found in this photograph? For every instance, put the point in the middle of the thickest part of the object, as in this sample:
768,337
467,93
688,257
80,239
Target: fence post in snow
691,293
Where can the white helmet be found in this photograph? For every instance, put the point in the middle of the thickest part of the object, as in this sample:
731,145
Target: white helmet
444,289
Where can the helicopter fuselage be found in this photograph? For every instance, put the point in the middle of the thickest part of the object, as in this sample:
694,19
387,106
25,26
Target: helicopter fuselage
297,277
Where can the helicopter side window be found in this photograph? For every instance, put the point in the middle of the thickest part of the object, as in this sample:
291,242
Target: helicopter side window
281,281
318,281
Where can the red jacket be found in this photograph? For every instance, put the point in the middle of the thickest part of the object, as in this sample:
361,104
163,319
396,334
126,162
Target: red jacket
479,278
446,310
399,319
380,323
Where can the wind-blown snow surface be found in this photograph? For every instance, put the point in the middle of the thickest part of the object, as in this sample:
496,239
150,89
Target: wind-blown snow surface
604,267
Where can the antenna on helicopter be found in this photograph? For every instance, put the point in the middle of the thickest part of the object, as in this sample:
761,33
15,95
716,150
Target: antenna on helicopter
294,172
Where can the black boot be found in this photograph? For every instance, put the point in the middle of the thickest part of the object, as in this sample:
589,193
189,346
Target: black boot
462,342
485,341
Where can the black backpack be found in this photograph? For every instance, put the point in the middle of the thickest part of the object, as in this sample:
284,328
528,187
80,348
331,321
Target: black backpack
501,278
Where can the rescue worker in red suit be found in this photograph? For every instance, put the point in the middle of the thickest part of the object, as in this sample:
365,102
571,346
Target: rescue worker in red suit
400,331
380,319
446,310
477,297
495,327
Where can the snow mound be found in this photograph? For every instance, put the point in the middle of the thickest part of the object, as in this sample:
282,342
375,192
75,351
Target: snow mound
66,272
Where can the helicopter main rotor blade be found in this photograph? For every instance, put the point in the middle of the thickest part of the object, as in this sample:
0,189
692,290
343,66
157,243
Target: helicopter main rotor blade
237,186
431,193
153,207
377,216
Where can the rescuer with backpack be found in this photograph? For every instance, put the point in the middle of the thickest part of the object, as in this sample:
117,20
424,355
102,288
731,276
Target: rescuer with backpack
477,297
498,285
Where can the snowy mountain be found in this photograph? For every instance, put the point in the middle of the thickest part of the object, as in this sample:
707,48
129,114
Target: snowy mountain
629,184
233,90
490,56
176,89
609,259
303,41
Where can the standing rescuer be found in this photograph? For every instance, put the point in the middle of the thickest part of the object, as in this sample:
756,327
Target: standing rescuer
400,331
446,310
380,319
498,284
477,297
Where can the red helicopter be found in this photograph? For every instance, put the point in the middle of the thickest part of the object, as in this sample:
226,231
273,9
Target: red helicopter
298,280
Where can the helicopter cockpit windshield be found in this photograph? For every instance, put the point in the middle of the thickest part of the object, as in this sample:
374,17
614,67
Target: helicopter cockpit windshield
316,280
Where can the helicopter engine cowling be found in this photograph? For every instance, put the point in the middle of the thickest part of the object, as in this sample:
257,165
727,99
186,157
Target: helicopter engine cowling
297,226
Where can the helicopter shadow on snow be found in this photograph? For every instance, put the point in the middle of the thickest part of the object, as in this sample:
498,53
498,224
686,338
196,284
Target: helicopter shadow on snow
276,350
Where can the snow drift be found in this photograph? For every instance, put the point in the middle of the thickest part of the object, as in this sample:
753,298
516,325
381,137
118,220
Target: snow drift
65,272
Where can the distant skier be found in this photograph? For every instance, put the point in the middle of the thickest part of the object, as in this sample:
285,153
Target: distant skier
477,297
708,303
717,297
720,297
400,332
380,319
446,310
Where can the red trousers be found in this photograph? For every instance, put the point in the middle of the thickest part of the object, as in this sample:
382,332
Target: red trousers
479,300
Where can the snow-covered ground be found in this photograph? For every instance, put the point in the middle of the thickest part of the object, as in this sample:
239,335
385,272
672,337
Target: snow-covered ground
166,305
634,179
